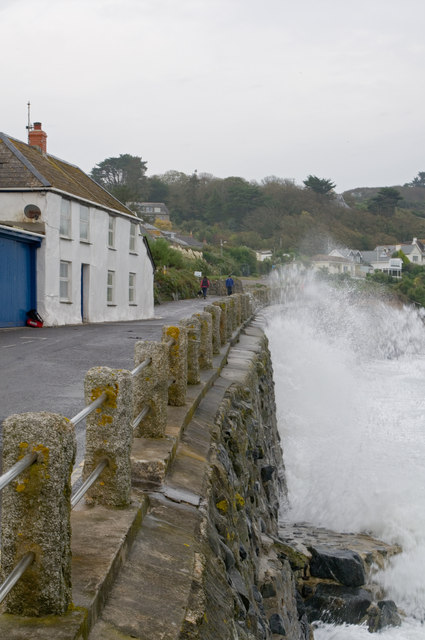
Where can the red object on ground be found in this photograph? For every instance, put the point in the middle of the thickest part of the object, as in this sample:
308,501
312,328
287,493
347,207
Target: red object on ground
34,323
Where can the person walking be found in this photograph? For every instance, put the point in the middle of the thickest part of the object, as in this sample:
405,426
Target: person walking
229,285
205,283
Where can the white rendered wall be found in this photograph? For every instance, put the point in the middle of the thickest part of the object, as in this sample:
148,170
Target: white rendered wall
12,205
94,253
99,258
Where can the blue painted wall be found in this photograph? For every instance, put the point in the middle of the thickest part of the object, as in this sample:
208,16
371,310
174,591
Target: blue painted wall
17,278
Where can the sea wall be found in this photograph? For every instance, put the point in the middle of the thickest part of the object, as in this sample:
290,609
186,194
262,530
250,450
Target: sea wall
244,586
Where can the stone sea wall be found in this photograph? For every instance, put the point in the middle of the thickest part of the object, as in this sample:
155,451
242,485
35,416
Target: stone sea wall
243,585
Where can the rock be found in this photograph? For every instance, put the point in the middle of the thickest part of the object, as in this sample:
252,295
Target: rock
338,604
276,624
382,615
239,586
300,605
342,565
267,473
268,590
228,557
242,552
389,614
263,526
306,631
257,595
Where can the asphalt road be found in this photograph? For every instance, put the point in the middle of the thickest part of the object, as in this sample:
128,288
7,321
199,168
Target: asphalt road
44,369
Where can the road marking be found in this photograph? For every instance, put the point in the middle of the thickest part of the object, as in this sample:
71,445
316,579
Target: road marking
7,346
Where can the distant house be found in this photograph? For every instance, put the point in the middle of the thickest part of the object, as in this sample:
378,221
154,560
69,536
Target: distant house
188,245
151,211
358,263
415,252
265,254
334,264
67,247
380,259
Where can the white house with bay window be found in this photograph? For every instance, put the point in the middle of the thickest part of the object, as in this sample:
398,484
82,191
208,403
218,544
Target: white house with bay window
67,247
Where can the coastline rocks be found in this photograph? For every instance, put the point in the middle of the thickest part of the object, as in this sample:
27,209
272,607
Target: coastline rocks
334,574
341,565
338,604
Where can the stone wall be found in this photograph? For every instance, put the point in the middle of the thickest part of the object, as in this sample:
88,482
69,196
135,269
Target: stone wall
243,587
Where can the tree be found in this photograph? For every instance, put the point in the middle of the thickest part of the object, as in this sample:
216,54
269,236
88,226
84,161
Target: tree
123,176
319,185
158,190
240,197
385,201
419,181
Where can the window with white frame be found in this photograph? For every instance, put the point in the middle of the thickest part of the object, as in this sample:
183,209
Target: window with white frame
415,258
111,232
110,288
65,281
132,288
84,223
65,218
133,237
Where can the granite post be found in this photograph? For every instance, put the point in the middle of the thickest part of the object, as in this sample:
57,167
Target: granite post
109,435
215,312
150,388
206,345
176,339
36,512
193,327
238,304
233,312
221,304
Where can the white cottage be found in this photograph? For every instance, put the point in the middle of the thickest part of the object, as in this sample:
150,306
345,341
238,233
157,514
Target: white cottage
67,247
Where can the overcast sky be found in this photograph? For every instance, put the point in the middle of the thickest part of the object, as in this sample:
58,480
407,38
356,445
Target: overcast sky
248,88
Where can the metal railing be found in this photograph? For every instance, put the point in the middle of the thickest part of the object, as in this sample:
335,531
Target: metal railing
141,366
28,558
16,574
89,409
17,468
75,499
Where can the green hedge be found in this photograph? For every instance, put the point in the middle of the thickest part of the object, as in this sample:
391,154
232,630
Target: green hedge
175,285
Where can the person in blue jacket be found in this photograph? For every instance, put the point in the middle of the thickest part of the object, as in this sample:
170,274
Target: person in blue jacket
229,285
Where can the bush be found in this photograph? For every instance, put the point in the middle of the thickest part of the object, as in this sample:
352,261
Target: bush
175,284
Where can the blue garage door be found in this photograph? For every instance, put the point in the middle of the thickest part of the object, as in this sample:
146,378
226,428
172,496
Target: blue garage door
17,277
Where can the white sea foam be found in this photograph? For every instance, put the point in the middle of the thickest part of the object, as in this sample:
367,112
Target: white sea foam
350,389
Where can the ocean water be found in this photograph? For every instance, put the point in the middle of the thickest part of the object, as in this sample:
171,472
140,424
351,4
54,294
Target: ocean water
350,390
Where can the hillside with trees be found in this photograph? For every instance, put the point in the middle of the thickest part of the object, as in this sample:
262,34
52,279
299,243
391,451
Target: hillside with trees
274,213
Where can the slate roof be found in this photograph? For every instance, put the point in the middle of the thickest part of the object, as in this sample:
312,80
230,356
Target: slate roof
322,257
25,167
373,256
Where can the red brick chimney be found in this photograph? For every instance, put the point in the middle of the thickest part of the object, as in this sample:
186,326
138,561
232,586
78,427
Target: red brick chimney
37,137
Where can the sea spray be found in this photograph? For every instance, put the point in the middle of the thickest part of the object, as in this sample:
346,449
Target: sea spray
350,388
